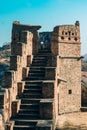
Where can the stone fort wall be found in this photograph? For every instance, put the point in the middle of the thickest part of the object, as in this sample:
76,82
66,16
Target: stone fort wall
64,70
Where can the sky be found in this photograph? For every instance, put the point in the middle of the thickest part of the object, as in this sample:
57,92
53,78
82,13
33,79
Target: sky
47,13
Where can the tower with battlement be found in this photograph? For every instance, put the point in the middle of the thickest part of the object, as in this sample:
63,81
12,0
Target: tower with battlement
66,45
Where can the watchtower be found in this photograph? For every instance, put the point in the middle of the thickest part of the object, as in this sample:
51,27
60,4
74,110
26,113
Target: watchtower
66,45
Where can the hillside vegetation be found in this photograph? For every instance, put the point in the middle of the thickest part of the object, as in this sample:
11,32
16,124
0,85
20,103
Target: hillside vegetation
5,52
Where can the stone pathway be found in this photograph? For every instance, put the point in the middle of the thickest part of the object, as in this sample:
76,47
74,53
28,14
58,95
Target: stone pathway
72,121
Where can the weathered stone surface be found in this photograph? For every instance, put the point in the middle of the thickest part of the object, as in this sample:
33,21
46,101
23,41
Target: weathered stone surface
50,73
46,108
20,87
70,92
44,125
66,44
1,123
15,107
48,89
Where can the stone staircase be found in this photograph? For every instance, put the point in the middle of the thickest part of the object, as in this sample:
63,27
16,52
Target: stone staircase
29,113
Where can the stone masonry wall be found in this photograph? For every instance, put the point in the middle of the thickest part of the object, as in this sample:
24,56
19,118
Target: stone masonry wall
63,38
70,91
65,44
21,48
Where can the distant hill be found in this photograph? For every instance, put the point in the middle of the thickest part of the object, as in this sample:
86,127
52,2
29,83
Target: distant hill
84,65
5,52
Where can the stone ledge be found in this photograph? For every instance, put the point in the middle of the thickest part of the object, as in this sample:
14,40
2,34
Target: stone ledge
44,125
46,100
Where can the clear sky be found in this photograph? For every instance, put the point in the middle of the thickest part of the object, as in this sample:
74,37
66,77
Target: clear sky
47,13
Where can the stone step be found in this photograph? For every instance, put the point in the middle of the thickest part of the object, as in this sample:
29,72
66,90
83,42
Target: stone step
35,78
33,83
44,50
32,109
32,95
36,74
25,122
32,90
32,87
38,65
28,100
38,60
27,116
29,106
43,54
37,68
83,109
16,127
29,111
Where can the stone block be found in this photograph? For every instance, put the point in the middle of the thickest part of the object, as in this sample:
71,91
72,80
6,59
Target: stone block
16,48
9,125
44,125
24,36
29,60
24,73
50,73
48,89
46,108
20,87
15,107
51,61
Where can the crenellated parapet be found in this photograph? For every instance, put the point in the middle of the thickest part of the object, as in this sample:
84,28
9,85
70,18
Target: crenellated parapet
66,40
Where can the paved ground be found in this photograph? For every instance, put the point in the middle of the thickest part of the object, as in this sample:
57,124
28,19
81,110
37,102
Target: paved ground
73,121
